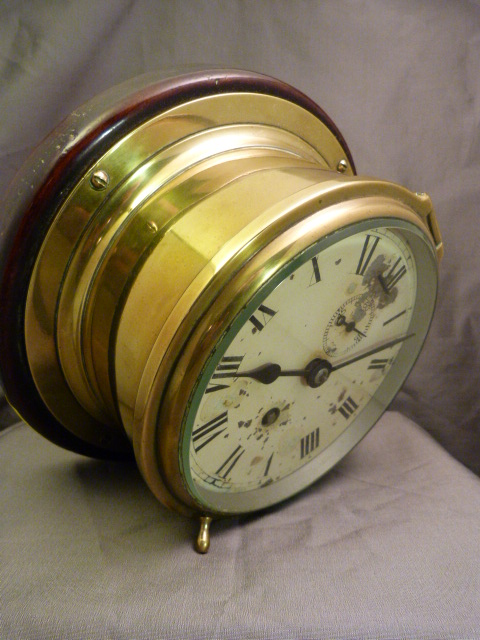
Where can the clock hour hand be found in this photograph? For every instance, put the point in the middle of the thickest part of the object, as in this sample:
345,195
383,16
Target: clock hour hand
315,373
266,374
318,370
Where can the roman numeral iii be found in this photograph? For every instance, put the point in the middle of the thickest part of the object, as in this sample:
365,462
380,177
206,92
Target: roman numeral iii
348,407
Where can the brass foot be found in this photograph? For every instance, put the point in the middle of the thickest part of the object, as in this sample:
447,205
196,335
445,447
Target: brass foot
202,543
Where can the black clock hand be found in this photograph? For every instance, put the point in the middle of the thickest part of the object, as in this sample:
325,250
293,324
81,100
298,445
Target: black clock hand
349,326
318,370
266,374
373,351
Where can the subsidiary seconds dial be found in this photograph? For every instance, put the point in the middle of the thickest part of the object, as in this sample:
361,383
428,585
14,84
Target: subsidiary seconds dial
306,362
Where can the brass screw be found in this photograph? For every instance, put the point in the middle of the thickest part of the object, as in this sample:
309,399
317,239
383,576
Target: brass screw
99,180
342,166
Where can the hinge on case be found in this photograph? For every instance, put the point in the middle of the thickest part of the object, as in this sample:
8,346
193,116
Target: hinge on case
435,231
432,224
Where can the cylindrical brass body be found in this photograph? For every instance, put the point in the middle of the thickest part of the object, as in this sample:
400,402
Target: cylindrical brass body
115,261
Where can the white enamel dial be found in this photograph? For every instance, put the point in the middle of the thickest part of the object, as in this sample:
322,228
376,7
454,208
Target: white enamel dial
304,366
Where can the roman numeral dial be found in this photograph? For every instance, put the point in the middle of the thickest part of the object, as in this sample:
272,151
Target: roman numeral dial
309,442
303,365
379,364
348,407
206,433
224,469
262,317
315,277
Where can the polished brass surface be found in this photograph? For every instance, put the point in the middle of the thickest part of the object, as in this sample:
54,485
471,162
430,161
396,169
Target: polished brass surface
155,176
281,233
202,543
159,246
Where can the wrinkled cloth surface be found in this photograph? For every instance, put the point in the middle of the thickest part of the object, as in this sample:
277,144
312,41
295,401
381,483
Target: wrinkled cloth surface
386,546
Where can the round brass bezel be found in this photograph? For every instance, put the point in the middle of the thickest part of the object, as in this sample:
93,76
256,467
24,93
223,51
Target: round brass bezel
291,229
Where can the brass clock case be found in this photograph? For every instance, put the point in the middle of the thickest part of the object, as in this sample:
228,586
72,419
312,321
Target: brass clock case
137,233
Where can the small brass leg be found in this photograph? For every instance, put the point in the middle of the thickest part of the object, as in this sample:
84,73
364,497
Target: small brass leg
202,543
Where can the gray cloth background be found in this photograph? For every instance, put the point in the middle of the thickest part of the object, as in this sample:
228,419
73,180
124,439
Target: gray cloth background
388,545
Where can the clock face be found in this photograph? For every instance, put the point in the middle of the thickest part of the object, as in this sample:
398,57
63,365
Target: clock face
306,371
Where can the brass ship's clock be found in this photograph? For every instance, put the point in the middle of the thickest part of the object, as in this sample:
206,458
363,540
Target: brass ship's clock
192,270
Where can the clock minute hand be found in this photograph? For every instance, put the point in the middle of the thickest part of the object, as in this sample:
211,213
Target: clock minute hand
373,351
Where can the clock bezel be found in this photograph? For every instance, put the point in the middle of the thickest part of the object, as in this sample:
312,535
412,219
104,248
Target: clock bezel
162,443
304,476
